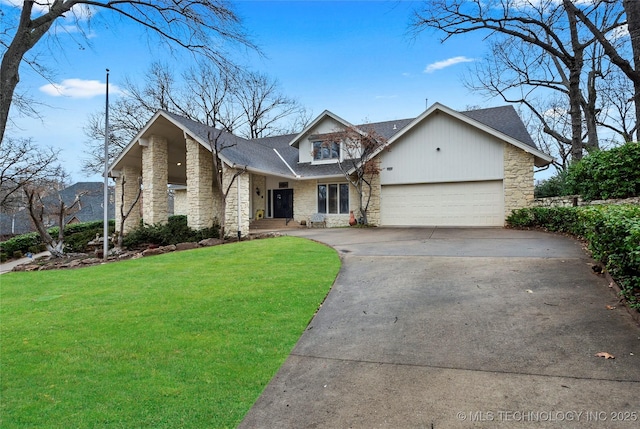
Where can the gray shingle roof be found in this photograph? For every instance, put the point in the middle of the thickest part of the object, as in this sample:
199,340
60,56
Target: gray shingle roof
504,119
259,154
90,207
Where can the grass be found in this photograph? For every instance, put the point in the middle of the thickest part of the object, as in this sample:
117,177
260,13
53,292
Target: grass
181,340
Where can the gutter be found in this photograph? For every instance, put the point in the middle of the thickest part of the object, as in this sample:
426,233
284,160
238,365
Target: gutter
286,163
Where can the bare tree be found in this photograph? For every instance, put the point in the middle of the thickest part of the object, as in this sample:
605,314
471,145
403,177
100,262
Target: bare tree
209,93
263,105
130,112
631,8
204,93
125,212
22,162
45,203
552,31
218,144
357,163
197,26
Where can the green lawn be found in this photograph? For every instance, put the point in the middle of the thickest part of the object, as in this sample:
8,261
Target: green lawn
181,340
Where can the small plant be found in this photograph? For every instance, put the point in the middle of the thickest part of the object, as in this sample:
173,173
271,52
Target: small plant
174,231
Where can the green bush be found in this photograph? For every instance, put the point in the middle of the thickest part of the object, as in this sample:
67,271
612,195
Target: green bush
606,174
174,231
77,236
555,186
20,243
613,234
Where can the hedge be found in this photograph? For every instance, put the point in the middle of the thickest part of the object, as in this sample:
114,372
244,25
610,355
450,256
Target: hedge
612,233
606,174
77,235
174,231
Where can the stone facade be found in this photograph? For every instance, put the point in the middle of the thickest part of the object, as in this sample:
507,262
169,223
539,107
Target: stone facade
518,179
231,215
180,206
373,215
305,203
258,202
576,200
304,200
199,186
131,188
155,201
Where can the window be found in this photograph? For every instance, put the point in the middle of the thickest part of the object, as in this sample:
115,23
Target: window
326,150
333,198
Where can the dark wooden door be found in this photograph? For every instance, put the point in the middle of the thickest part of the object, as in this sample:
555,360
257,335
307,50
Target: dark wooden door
283,203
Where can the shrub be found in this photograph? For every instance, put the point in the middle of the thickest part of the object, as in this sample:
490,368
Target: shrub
613,234
555,186
78,235
76,238
20,243
174,231
607,174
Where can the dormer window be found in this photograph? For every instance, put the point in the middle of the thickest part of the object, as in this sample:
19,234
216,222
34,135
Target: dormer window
324,151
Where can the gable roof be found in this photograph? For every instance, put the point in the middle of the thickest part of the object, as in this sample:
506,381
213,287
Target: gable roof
504,119
502,122
278,155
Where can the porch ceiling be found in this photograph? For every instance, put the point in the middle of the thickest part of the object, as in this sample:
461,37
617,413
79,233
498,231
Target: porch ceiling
176,147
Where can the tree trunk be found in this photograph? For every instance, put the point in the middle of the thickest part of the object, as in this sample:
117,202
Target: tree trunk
575,65
632,9
27,35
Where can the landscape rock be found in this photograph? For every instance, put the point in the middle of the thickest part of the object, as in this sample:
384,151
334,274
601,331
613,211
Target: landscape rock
210,242
187,246
169,248
27,267
153,251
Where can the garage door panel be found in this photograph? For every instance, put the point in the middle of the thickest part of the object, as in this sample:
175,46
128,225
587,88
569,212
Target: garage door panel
443,204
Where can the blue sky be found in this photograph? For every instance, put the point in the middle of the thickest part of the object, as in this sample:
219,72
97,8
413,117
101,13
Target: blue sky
355,58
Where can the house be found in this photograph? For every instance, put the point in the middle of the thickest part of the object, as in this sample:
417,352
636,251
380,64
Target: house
442,168
89,208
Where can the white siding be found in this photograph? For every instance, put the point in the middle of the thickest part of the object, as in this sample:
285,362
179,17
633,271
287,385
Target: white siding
327,125
466,154
443,204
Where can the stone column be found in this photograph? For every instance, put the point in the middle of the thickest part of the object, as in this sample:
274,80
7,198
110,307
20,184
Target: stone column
155,177
518,179
373,214
231,215
199,186
180,202
130,175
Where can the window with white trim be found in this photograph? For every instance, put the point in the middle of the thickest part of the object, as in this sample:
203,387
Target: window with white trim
333,198
324,151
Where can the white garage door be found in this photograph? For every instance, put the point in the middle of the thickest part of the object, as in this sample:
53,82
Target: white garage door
443,204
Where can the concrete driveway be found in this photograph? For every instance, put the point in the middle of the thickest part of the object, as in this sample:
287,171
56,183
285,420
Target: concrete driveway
459,328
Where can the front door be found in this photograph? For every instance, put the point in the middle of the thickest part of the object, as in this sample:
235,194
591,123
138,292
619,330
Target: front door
283,203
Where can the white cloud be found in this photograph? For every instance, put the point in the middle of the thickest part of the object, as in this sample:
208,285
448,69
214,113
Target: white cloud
555,113
78,88
438,65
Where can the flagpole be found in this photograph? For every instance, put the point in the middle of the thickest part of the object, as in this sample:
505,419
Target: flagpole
105,201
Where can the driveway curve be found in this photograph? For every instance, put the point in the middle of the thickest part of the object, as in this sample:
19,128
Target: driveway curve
459,328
